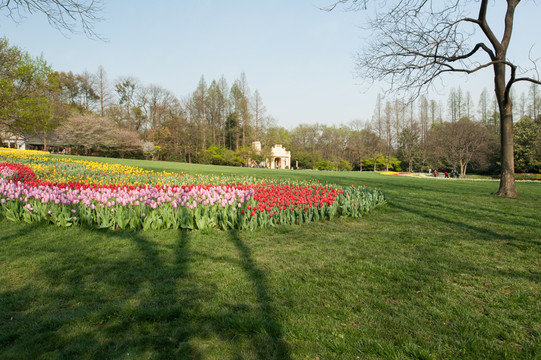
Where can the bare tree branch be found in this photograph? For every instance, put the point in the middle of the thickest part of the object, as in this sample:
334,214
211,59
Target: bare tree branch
64,15
355,5
533,61
528,80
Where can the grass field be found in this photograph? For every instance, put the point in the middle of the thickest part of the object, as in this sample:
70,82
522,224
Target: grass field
444,271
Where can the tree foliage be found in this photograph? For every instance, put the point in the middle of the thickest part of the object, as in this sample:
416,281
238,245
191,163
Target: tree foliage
528,145
29,93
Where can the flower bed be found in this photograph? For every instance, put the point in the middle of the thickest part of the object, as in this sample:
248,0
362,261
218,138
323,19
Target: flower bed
66,192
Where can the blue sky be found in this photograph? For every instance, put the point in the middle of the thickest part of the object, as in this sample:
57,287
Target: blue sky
299,57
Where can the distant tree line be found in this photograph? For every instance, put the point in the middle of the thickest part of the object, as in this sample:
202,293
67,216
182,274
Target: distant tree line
217,123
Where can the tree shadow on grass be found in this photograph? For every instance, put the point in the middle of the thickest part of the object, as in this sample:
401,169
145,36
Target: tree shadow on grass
131,295
88,304
482,233
269,342
19,230
527,219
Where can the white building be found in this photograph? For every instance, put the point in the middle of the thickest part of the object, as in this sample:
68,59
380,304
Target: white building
13,141
32,142
279,157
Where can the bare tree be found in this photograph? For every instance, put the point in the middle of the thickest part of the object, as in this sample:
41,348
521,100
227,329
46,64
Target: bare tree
245,115
415,42
214,108
534,101
423,117
399,118
468,103
388,131
522,106
161,106
453,108
224,105
459,144
86,132
103,89
87,89
125,89
433,110
259,113
362,145
199,110
64,15
408,148
377,118
483,107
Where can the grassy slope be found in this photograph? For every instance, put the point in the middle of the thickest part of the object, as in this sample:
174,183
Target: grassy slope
445,270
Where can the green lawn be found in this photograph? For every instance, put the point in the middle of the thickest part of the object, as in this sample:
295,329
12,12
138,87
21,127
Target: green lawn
444,270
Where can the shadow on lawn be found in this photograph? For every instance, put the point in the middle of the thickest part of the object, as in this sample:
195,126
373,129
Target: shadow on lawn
272,344
100,308
456,217
144,301
22,230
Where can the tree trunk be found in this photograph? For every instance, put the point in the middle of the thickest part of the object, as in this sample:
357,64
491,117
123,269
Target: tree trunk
44,141
507,180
